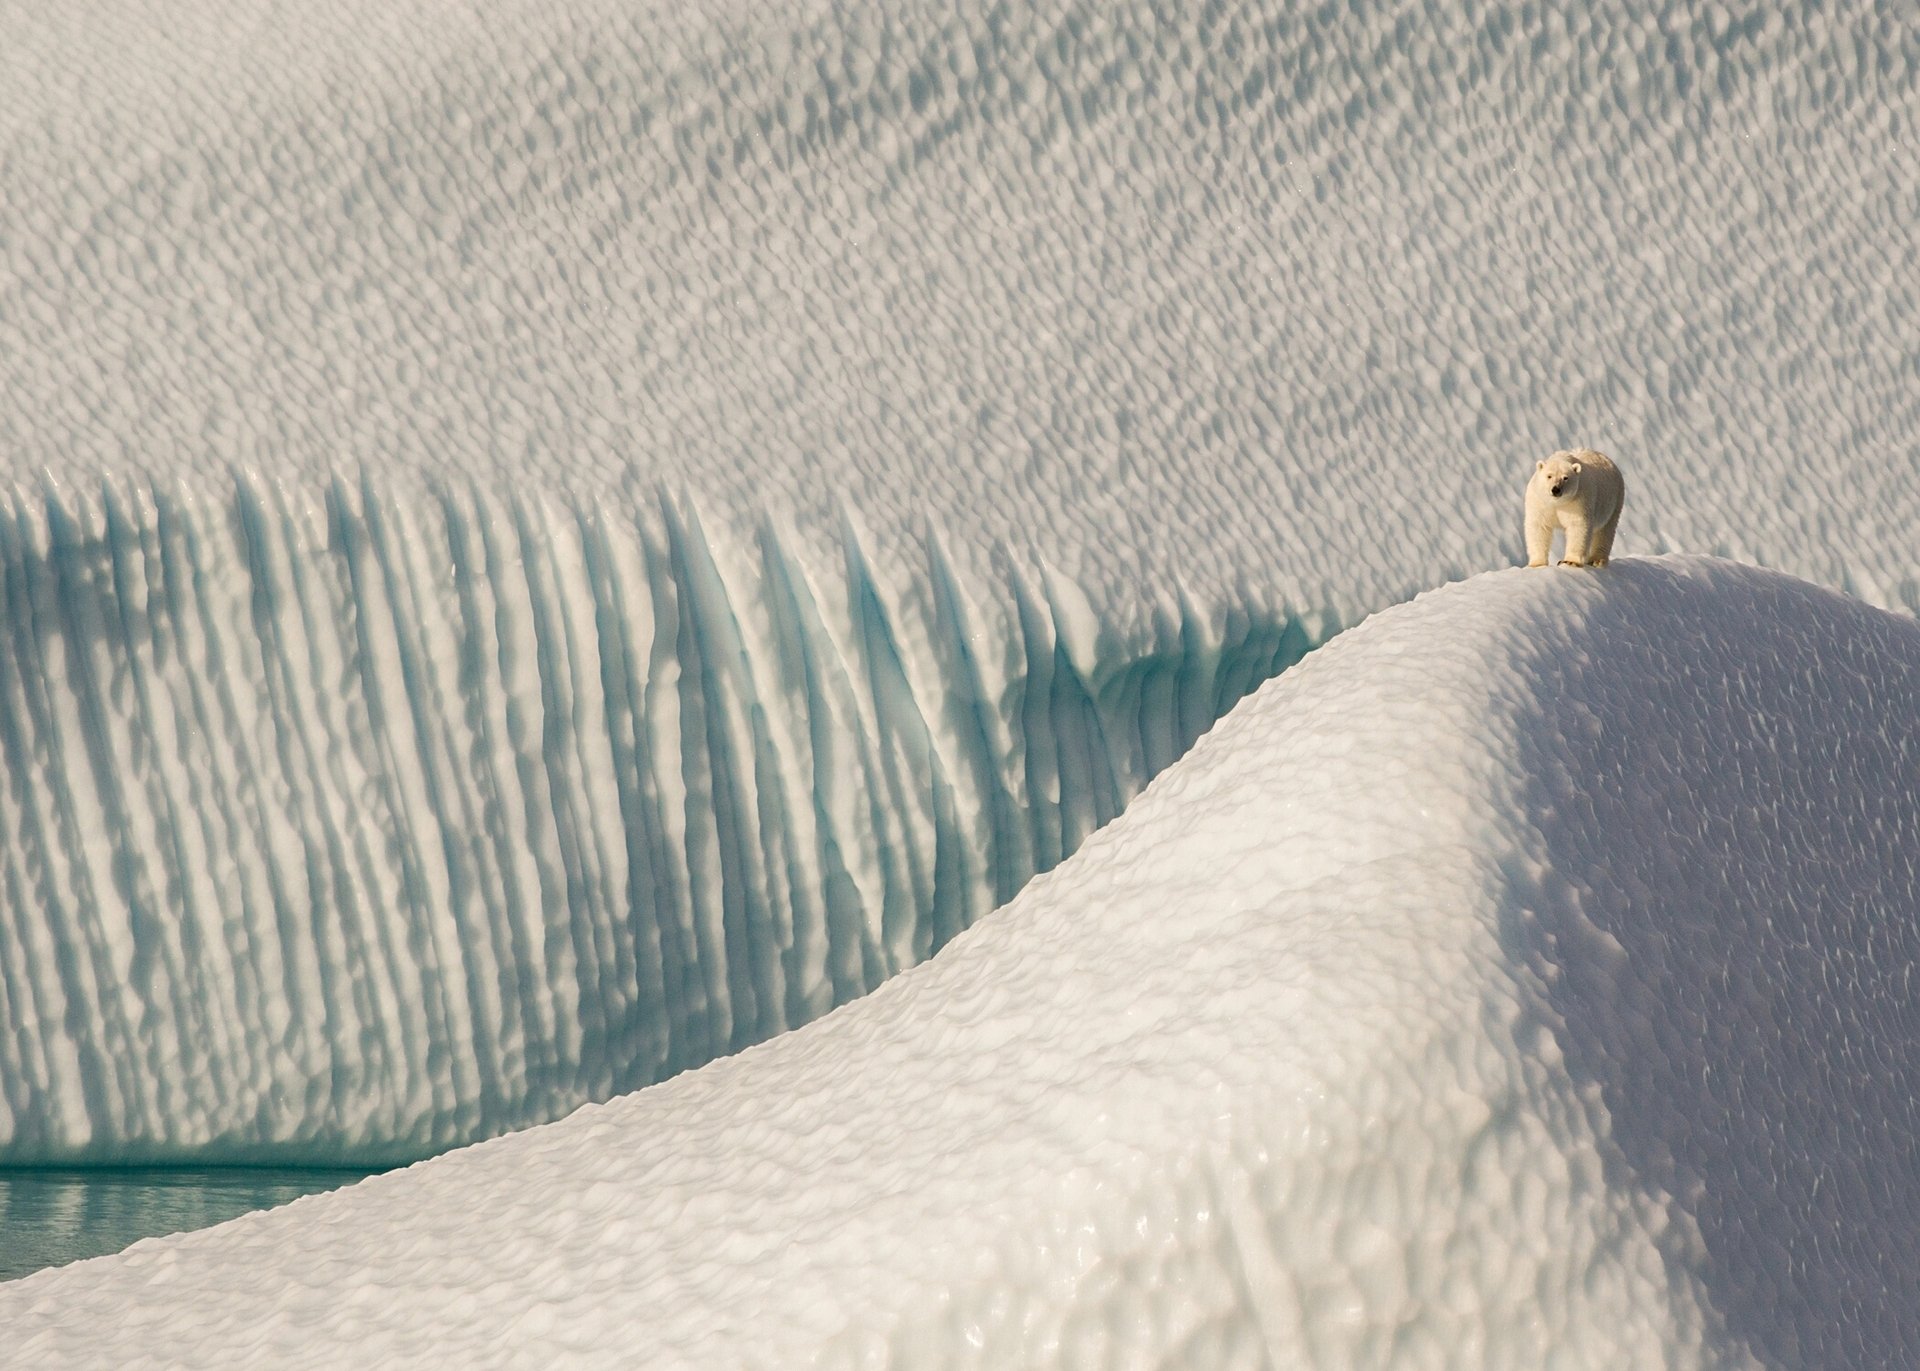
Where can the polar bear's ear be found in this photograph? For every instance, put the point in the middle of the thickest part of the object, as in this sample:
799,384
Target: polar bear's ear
1540,465
1576,467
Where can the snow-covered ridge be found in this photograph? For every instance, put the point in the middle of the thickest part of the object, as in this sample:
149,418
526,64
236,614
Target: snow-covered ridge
355,826
1523,977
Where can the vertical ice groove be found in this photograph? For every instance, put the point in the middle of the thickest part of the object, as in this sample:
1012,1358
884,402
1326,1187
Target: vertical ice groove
901,788
741,738
822,693
707,816
345,822
788,835
537,724
196,900
489,681
457,708
577,755
187,1039
978,732
222,974
1039,752
371,849
624,627
672,908
296,1076
51,1072
378,862
334,963
94,958
382,550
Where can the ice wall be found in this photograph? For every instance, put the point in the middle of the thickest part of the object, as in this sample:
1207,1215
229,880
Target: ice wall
354,825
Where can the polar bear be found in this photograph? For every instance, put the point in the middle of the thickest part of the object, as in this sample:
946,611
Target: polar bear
1580,491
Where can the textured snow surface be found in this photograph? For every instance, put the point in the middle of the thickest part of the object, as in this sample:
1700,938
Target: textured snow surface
1144,289
472,635
1521,980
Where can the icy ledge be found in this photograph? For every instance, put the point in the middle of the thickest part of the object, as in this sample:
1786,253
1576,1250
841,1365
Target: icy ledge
344,825
1520,980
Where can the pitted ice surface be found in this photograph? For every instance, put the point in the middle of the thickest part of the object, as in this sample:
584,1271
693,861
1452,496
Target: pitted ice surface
1270,295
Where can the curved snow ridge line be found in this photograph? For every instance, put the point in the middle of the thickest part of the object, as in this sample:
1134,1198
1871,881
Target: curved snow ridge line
343,826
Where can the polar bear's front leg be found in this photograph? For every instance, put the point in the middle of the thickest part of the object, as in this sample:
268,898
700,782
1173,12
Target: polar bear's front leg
1579,530
1539,538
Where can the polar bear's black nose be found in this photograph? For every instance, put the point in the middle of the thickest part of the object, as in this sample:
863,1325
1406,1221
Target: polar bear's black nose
1558,489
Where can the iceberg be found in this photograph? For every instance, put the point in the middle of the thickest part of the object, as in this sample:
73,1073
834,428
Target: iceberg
1525,972
544,544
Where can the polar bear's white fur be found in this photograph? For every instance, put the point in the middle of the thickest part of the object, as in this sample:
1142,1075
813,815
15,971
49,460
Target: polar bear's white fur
1580,491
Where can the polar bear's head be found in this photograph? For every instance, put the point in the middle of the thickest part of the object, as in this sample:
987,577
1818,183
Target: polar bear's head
1560,474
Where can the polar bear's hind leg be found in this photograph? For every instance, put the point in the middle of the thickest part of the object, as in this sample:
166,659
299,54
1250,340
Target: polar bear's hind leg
1600,550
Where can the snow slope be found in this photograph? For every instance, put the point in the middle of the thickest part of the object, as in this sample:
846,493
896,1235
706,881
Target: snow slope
1518,981
473,635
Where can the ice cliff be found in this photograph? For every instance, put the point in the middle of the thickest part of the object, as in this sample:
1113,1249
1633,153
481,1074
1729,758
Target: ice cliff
349,829
1521,980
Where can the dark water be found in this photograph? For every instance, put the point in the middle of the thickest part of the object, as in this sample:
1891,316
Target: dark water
50,1218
